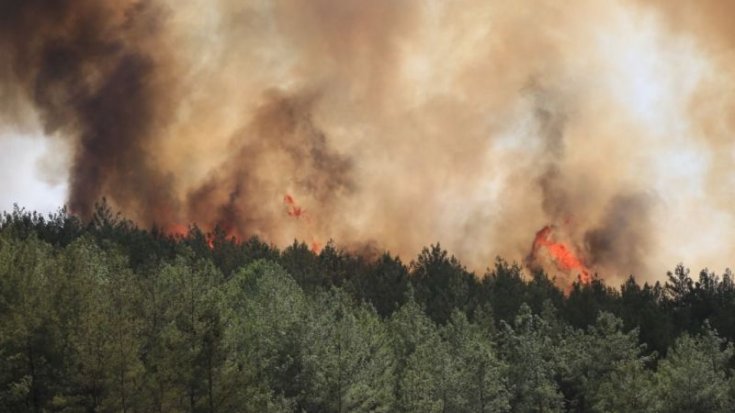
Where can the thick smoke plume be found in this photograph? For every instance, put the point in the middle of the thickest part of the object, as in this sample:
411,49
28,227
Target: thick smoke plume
395,123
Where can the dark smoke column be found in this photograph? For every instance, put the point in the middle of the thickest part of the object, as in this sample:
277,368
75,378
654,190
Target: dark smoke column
87,68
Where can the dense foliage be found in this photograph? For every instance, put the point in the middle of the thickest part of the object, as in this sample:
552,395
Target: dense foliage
106,317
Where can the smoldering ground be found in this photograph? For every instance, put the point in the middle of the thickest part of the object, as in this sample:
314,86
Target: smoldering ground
473,123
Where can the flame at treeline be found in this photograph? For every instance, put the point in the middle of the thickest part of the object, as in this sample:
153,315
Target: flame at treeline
565,257
295,211
397,124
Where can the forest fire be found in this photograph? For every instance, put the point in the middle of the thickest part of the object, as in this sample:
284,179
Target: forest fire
176,230
468,206
562,255
293,209
315,247
115,101
180,231
296,211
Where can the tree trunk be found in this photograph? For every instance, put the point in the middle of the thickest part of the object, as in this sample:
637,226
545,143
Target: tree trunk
35,402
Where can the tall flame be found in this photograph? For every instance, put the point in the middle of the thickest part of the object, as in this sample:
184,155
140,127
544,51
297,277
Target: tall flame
176,230
294,210
563,255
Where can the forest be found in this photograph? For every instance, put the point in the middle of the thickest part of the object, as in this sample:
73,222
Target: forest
104,316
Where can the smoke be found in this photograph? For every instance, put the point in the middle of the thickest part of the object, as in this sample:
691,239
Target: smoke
280,149
397,124
626,218
85,68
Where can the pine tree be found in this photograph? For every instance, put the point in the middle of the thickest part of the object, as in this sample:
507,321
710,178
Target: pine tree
528,348
694,375
478,383
421,357
264,332
347,357
29,337
603,369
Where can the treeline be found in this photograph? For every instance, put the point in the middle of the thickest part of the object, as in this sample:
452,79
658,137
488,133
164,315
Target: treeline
103,316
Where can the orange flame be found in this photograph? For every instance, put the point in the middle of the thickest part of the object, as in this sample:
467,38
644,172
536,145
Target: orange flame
176,230
563,256
294,210
180,231
316,247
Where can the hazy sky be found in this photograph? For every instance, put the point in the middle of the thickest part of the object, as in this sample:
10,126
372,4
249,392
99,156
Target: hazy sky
393,124
22,176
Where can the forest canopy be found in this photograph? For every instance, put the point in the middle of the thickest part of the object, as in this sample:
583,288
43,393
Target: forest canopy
104,316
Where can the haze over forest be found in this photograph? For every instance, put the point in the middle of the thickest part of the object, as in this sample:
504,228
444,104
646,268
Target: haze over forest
333,206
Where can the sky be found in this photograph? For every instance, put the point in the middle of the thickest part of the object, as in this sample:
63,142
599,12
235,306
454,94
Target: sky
23,182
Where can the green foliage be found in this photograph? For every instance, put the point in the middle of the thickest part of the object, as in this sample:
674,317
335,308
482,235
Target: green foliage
477,377
442,283
528,347
695,374
603,369
504,289
103,316
348,361
422,361
30,339
265,313
384,284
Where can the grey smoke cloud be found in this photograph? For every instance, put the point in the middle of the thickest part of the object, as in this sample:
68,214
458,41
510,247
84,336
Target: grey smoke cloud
398,124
